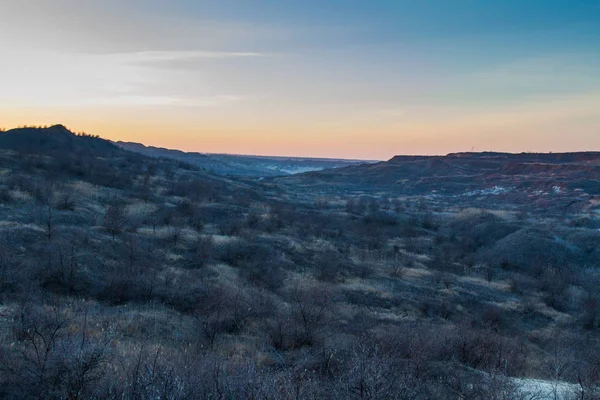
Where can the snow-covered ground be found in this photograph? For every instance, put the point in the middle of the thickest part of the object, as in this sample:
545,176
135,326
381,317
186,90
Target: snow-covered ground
546,390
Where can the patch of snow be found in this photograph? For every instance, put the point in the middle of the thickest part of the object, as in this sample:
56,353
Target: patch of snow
546,390
493,191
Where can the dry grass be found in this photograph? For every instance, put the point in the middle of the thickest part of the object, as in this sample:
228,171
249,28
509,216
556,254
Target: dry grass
139,210
86,190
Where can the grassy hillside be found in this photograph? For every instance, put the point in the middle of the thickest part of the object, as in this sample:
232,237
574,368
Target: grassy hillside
123,276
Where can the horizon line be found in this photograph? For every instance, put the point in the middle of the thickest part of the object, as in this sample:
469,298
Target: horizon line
25,126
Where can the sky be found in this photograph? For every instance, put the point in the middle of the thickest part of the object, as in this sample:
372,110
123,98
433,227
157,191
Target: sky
323,78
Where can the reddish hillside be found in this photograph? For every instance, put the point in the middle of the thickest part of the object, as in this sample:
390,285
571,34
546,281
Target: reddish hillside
501,175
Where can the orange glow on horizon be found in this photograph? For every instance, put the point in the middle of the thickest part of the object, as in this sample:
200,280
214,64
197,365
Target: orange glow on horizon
535,127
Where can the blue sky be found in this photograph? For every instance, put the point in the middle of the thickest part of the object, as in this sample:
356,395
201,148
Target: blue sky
366,79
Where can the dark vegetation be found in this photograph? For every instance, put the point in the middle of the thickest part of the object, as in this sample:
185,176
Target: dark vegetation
123,276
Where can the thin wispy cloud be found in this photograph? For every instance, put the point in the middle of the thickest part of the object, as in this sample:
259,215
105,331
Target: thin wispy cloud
167,101
179,55
119,79
166,56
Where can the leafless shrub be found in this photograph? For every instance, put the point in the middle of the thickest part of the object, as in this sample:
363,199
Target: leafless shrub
114,221
309,310
57,359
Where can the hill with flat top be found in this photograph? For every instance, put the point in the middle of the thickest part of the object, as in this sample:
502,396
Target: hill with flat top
564,180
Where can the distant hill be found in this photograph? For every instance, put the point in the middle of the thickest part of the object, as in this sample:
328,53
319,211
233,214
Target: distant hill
465,174
244,165
521,157
56,139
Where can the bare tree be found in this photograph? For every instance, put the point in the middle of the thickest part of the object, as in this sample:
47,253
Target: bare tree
114,220
310,307
57,358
